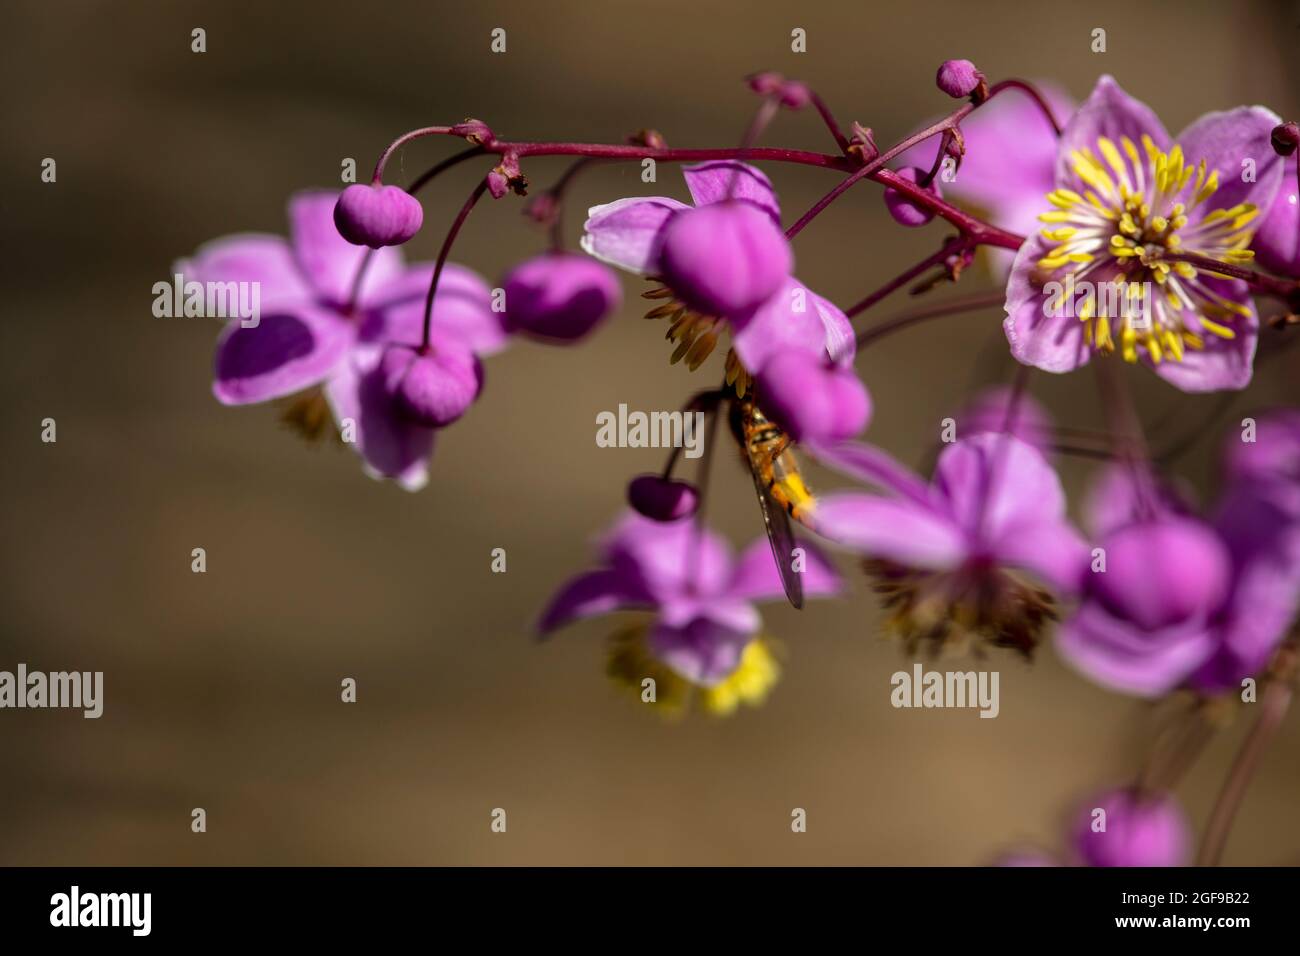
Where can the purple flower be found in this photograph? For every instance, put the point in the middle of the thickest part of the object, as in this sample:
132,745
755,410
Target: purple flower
560,296
702,598
1139,830
629,233
314,331
947,555
1182,600
1103,277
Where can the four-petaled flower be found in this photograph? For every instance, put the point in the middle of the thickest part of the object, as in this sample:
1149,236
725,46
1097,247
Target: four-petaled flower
321,327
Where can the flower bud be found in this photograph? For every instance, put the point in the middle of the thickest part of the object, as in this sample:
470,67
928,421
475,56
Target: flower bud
1286,138
794,95
1163,572
650,138
1140,830
560,295
766,83
662,499
904,211
959,79
433,388
377,215
724,259
812,400
862,143
476,131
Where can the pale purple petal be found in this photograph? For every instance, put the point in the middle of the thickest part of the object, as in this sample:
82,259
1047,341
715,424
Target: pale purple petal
993,482
756,577
875,466
1049,339
723,179
254,258
1052,550
892,528
1108,112
669,559
797,319
284,353
1226,139
628,232
729,613
1122,657
1224,364
389,445
329,261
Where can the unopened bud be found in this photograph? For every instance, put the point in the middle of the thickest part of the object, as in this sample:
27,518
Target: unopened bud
476,131
1286,138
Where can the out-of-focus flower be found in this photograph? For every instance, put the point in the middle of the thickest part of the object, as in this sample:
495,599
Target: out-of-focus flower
1181,600
948,557
560,296
999,408
1010,160
705,629
1139,830
320,328
1104,276
662,499
904,211
377,215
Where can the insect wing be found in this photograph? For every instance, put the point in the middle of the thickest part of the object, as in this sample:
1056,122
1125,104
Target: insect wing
781,536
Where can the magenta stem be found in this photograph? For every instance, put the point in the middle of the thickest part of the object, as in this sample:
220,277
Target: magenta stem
1259,282
401,141
828,118
447,243
939,310
953,246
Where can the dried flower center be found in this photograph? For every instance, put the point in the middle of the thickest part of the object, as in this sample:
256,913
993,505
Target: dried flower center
1120,236
960,610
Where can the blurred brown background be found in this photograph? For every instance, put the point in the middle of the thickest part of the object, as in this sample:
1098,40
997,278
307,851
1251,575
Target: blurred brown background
222,690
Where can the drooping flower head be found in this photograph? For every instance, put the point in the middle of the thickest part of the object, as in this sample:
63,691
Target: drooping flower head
965,557
1173,599
323,335
704,634
560,296
1103,275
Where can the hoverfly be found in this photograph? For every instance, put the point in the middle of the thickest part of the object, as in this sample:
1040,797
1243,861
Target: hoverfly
782,492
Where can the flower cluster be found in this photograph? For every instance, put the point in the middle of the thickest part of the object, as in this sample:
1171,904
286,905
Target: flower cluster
1108,240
